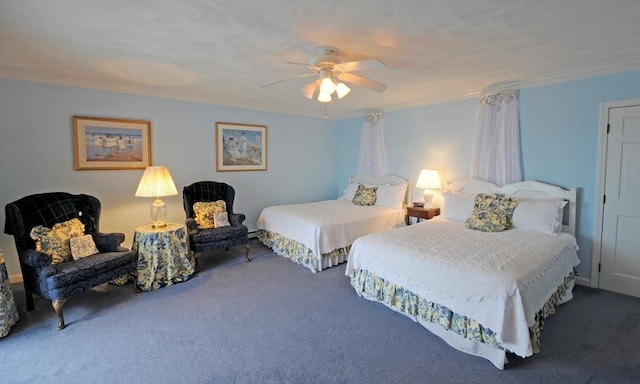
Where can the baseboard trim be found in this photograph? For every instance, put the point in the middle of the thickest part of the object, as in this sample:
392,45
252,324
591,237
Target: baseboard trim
583,281
15,279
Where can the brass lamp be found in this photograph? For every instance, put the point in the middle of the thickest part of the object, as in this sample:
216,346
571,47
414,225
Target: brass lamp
157,182
428,180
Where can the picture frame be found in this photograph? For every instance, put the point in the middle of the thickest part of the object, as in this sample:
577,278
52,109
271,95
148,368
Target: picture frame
105,143
241,147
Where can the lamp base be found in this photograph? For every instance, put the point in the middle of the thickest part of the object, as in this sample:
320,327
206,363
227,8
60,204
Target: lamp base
428,198
158,213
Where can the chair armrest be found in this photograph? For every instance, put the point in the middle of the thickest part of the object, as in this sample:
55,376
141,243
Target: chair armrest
192,226
237,219
108,242
35,259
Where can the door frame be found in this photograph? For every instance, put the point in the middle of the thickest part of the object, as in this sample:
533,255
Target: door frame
601,172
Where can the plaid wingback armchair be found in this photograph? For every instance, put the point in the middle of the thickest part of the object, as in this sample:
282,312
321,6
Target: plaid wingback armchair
201,240
59,281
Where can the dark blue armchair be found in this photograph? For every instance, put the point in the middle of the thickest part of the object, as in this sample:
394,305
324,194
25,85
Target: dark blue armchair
201,240
57,282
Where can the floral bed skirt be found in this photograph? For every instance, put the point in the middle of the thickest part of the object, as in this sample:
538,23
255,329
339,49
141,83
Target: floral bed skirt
375,288
299,253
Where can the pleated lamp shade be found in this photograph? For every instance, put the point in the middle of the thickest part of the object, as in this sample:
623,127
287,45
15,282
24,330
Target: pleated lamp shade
156,182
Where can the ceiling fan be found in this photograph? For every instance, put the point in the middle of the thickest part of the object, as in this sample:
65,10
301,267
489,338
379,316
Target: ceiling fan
332,73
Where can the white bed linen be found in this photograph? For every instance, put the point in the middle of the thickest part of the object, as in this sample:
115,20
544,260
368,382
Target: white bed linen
324,226
498,279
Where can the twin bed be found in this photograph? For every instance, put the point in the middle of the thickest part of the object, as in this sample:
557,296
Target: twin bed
484,293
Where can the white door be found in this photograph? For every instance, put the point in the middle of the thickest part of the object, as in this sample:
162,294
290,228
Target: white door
620,247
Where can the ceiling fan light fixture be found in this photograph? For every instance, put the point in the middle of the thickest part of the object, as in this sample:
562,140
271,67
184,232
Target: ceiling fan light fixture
309,89
342,90
327,86
324,97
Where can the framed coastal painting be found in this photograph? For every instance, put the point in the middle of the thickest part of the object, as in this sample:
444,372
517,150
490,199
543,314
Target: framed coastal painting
103,143
241,147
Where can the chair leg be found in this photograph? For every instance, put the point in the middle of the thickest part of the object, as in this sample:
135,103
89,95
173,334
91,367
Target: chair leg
196,262
57,306
29,295
246,253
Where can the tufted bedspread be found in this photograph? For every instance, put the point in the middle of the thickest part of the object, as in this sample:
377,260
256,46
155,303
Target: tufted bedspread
500,280
328,225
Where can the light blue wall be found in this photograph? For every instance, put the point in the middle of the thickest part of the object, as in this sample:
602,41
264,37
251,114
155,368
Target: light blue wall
559,133
36,154
559,130
434,136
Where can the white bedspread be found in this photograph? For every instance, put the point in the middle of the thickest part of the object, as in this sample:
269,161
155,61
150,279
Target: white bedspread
498,279
327,225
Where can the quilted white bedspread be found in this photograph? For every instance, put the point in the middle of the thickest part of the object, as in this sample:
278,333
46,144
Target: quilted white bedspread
498,279
327,225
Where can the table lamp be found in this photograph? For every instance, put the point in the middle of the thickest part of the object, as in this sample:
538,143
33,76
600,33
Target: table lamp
157,182
428,180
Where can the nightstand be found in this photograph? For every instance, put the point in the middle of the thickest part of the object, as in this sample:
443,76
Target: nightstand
421,213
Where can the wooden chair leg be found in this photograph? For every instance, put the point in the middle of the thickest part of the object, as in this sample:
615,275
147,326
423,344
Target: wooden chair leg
29,295
57,306
196,262
246,253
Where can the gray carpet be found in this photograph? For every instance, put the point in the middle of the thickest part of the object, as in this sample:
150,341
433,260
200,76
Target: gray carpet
273,321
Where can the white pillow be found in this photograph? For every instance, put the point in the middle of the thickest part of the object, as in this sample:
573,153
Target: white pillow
456,206
391,196
540,215
350,191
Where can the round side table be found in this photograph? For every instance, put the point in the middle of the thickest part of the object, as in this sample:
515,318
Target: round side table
163,256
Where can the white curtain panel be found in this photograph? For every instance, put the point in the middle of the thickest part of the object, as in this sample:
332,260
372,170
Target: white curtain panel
495,153
373,154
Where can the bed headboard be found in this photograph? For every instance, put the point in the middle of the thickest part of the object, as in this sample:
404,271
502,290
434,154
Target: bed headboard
388,179
530,189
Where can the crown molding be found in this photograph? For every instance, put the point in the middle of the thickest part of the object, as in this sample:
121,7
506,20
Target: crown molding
610,68
619,66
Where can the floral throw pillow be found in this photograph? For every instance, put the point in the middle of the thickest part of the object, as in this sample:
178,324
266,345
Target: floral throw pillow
221,219
491,213
55,241
205,210
82,246
365,196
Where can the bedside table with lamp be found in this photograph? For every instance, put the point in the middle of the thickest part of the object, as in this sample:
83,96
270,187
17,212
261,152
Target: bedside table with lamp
428,180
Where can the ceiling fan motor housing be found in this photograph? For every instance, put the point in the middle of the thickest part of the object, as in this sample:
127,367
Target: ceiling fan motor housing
325,59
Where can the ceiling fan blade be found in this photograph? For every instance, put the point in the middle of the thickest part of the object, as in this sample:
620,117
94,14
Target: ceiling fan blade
363,81
310,89
287,79
303,64
360,65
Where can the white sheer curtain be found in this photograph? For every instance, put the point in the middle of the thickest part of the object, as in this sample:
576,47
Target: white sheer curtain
495,155
373,155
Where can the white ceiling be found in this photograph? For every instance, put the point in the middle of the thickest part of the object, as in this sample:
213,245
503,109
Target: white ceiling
222,51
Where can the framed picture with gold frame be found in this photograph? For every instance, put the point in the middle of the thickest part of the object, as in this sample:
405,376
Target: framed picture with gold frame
103,143
241,147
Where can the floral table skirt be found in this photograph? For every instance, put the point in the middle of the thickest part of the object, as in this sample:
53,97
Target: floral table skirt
8,310
163,256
